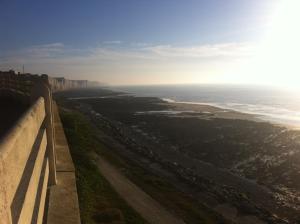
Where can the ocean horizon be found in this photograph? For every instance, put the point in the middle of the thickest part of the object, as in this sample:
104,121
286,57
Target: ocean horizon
267,103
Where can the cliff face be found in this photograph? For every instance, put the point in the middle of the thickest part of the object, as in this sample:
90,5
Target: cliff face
60,83
57,83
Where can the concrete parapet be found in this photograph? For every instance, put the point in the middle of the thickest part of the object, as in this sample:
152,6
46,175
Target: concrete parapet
67,210
39,209
28,157
18,151
42,88
26,213
29,88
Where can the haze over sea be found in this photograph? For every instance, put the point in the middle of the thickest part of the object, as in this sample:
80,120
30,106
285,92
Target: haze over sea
268,103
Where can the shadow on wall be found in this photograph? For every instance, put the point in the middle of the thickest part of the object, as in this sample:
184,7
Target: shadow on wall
11,110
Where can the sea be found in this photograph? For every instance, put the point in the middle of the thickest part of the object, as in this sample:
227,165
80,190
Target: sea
277,105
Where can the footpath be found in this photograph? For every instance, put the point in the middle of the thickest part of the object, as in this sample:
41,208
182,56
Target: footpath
141,202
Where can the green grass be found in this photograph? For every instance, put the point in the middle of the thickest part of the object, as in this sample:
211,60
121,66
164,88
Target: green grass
98,202
82,137
162,191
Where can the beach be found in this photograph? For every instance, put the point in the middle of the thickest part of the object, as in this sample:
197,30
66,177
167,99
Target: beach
229,161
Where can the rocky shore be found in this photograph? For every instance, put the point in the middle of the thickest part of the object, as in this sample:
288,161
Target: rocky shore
245,169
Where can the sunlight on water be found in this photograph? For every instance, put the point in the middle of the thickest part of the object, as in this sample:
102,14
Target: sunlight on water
271,104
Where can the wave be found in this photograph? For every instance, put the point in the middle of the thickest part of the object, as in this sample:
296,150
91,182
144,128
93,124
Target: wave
270,104
264,112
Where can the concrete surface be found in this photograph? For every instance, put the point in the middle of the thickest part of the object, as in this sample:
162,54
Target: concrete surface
63,201
32,189
15,150
28,156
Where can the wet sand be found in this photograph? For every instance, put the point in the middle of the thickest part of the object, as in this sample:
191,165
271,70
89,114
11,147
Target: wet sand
214,112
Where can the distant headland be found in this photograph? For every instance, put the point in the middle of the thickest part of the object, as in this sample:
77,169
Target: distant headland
59,83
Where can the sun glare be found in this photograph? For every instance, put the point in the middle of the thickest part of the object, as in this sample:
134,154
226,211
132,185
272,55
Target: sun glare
277,61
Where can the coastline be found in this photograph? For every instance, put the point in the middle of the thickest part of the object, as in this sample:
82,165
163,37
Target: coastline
227,113
204,147
220,111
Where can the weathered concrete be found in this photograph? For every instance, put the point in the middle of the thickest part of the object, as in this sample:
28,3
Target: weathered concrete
39,209
30,195
30,152
15,150
63,202
29,88
67,210
42,88
64,161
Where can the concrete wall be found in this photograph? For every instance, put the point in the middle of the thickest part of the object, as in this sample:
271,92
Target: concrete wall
29,88
28,157
22,151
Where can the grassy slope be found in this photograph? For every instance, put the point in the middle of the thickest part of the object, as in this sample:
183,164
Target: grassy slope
77,127
99,203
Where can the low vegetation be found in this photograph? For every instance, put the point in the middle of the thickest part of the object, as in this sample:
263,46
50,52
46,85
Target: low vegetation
99,203
94,192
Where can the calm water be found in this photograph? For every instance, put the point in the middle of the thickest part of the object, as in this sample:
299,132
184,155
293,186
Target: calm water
272,104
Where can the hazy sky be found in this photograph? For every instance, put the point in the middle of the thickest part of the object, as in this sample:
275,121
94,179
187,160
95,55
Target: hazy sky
135,41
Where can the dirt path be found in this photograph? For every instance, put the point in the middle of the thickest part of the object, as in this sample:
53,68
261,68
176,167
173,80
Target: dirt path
146,206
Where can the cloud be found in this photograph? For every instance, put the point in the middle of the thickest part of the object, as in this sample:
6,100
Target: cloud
139,44
46,50
140,60
36,52
112,42
59,52
227,50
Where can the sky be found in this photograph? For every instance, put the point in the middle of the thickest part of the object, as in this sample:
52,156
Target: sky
146,41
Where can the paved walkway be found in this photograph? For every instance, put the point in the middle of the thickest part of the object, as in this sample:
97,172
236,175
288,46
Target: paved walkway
63,200
146,206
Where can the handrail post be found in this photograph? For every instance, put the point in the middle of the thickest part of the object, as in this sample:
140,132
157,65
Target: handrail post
42,88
